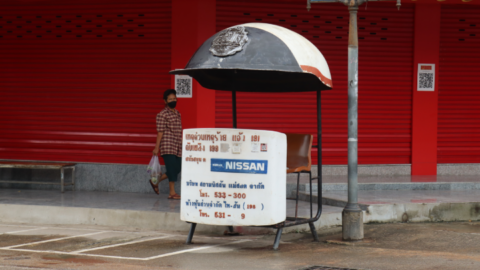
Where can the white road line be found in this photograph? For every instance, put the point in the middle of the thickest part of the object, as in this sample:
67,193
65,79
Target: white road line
26,226
125,258
80,254
52,240
121,244
76,229
194,249
38,228
96,230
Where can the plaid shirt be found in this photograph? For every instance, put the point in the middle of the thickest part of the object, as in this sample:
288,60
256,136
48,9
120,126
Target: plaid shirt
170,123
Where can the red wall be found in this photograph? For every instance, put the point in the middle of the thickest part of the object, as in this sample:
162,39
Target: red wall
82,80
94,98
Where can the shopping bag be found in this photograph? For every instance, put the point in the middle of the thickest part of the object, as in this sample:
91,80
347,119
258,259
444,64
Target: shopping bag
154,169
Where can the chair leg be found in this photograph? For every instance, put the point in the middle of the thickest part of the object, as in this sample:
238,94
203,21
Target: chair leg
62,183
277,239
73,179
314,232
311,201
296,199
190,233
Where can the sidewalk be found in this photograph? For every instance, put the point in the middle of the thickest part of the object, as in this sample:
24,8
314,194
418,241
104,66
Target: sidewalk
413,202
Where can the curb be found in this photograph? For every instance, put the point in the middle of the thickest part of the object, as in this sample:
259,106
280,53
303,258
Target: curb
154,220
389,186
409,212
149,220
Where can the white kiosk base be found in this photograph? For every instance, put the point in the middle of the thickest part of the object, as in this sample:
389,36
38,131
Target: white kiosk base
236,177
233,177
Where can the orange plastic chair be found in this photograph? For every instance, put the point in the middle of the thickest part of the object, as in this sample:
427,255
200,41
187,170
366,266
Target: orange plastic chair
299,160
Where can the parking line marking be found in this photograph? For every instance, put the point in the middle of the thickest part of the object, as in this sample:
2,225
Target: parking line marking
80,254
194,249
38,228
52,240
125,258
7,225
121,244
114,231
77,229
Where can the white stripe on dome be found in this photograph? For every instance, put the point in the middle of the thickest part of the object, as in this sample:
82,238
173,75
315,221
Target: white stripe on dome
302,49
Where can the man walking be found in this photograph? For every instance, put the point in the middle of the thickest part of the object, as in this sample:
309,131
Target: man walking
169,142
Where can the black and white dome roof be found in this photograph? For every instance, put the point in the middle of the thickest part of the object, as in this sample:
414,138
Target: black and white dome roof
259,57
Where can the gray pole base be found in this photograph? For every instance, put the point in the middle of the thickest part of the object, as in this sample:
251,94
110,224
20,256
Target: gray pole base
352,225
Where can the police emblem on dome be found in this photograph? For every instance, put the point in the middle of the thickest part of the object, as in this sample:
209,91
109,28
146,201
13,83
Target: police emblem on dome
229,41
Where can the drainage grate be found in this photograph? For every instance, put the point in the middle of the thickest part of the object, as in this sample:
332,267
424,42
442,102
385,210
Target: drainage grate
321,267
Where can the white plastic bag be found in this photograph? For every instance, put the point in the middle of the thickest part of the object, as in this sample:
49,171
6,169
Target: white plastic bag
154,169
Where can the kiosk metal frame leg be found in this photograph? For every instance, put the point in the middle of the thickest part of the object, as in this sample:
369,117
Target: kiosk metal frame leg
296,198
277,238
314,232
190,233
231,231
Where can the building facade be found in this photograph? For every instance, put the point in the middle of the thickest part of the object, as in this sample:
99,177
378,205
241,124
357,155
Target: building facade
82,81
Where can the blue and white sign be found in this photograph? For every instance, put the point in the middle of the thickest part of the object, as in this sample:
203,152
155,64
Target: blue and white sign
231,178
239,166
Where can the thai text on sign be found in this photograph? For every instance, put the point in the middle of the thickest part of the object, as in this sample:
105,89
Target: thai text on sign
233,177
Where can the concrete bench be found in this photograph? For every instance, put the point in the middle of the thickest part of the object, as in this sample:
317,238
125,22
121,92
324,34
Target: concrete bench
44,166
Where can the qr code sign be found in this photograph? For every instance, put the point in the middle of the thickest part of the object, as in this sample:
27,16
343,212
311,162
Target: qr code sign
425,80
183,85
426,77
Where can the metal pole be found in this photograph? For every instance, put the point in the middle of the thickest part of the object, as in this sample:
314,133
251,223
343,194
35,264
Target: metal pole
352,215
234,116
352,109
319,153
190,233
234,108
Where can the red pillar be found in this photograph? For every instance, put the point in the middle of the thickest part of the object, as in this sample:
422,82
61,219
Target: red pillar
193,22
425,103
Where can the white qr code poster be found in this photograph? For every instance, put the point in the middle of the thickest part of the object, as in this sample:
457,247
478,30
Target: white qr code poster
426,77
183,85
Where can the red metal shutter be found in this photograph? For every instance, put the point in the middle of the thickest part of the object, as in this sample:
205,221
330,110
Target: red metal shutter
385,78
82,80
459,90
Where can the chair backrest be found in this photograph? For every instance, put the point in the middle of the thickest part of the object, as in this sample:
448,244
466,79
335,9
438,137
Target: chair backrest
299,149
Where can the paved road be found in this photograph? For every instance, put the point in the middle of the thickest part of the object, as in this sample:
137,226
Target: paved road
386,246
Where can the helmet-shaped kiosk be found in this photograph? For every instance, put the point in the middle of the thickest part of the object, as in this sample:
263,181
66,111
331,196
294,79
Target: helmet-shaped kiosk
260,57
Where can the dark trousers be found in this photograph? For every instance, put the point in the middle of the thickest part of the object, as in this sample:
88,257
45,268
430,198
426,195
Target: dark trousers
173,165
